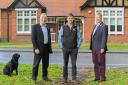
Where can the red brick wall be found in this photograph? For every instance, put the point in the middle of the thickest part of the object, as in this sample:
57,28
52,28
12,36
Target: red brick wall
88,23
3,25
0,23
12,25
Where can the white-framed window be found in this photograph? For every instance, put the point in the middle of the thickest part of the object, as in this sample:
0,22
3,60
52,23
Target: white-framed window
113,18
78,22
53,37
25,19
52,19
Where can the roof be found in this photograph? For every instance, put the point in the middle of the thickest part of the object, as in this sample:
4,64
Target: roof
86,3
54,7
62,7
5,3
26,4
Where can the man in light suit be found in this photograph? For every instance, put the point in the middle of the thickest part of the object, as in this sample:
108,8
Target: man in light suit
98,46
41,41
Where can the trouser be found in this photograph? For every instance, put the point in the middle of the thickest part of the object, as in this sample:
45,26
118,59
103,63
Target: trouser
73,54
99,64
45,63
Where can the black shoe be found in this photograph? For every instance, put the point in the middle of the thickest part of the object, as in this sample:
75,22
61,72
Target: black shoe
34,81
102,80
46,79
96,80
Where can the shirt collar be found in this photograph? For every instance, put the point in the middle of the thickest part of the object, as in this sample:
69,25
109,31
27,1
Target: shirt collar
44,25
99,23
72,25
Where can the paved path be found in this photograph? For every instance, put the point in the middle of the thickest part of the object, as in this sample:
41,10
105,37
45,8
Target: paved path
84,59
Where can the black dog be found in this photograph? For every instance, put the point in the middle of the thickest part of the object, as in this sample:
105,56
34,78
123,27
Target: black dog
12,65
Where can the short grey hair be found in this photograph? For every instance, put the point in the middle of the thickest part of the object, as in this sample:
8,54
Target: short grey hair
99,14
43,15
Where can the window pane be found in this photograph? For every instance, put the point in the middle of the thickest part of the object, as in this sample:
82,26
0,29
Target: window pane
112,13
105,20
26,13
112,28
19,21
119,13
19,28
33,21
33,13
119,24
112,21
26,21
119,28
20,13
53,37
26,28
119,21
112,24
105,13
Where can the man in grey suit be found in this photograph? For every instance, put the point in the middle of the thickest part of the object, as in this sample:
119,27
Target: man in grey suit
98,46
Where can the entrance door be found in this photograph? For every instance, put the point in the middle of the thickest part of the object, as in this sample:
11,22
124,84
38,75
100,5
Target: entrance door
54,31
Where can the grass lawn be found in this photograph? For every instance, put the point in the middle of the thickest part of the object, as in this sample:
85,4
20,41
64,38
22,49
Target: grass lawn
15,44
55,45
24,76
115,76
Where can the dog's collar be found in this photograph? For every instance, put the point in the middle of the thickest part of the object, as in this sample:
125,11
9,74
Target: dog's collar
14,60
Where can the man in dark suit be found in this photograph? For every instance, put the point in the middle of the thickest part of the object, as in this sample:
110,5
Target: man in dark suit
98,46
41,41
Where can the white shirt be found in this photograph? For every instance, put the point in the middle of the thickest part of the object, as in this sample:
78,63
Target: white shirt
45,33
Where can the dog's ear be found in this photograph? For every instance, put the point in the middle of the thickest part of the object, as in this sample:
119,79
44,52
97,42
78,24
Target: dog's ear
15,56
18,55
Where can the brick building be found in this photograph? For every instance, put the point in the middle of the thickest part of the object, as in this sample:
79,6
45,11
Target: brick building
17,17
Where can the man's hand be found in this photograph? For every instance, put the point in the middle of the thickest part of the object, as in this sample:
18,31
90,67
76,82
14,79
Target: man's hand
102,51
37,51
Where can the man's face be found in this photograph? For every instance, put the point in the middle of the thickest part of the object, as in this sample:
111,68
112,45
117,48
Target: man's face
43,19
70,19
98,18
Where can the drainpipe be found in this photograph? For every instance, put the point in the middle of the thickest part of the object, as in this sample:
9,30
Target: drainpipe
8,25
0,25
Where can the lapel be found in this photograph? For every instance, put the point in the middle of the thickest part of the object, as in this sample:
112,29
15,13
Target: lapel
92,31
48,30
41,32
97,28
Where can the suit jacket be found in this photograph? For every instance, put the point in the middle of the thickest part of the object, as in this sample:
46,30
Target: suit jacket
38,38
99,39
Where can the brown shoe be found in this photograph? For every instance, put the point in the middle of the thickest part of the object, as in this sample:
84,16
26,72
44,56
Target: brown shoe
34,81
75,82
102,80
63,81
